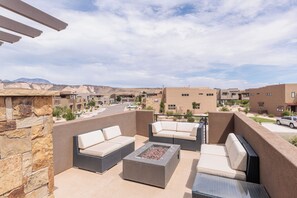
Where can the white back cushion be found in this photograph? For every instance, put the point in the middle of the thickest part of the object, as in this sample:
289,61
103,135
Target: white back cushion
230,139
194,130
111,132
170,126
238,156
156,127
89,139
185,127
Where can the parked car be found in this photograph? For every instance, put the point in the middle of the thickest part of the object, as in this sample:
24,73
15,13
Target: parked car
290,121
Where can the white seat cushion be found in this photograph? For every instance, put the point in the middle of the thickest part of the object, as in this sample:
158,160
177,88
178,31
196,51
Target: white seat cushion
168,126
184,136
111,132
123,140
101,149
185,127
89,139
214,149
162,133
156,127
218,165
238,156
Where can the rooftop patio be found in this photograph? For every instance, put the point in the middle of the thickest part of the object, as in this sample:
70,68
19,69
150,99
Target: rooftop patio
278,164
80,183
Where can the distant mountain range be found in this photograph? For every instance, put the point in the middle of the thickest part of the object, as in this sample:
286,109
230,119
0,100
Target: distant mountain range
43,84
32,80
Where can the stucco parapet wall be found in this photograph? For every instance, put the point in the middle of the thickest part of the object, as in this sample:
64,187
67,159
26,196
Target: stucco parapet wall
25,92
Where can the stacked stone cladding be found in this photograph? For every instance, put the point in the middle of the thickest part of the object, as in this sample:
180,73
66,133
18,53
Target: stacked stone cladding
26,145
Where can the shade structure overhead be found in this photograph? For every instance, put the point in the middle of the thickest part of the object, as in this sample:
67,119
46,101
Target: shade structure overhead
28,11
15,26
10,38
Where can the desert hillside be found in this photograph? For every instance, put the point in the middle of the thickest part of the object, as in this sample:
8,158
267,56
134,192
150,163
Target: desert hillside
103,90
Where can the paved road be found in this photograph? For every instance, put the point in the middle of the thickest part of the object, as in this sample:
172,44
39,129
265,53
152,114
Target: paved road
279,128
112,110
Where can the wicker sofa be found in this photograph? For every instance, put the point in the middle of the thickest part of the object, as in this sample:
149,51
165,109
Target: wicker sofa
236,159
99,150
188,135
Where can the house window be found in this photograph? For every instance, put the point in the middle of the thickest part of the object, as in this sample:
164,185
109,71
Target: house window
261,104
200,94
280,108
293,94
171,107
268,94
196,105
225,93
209,94
185,94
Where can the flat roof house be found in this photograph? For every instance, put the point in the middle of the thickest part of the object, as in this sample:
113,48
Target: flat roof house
274,99
181,99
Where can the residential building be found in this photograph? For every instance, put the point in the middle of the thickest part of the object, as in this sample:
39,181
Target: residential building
123,97
226,95
244,95
197,100
70,100
274,99
152,100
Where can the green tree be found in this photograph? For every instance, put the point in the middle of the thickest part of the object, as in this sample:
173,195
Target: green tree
162,107
91,103
119,98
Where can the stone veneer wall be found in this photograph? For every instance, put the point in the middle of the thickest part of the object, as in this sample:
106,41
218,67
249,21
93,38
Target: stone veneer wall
26,148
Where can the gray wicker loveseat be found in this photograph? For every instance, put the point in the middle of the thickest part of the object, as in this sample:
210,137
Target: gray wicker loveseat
189,136
99,150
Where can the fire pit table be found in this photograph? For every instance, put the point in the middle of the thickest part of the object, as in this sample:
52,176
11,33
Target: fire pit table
153,164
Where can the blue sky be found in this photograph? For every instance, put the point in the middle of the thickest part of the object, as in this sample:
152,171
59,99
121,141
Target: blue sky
159,43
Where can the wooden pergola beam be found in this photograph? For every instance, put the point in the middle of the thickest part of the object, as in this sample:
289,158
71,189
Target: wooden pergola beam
20,28
32,13
10,38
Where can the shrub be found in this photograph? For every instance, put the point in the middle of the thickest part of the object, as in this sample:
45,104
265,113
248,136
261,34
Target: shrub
270,115
224,109
286,113
69,116
190,119
293,141
58,112
149,108
246,110
188,114
169,113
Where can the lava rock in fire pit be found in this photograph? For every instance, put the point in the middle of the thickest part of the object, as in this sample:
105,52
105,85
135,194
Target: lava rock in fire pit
154,152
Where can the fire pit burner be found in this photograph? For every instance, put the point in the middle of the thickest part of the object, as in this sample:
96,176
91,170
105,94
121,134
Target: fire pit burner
154,152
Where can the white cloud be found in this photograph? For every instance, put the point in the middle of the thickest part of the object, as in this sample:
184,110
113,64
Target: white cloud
145,43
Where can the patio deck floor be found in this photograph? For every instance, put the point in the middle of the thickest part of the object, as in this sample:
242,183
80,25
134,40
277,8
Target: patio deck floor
80,183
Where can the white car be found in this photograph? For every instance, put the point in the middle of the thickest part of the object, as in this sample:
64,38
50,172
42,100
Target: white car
290,121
